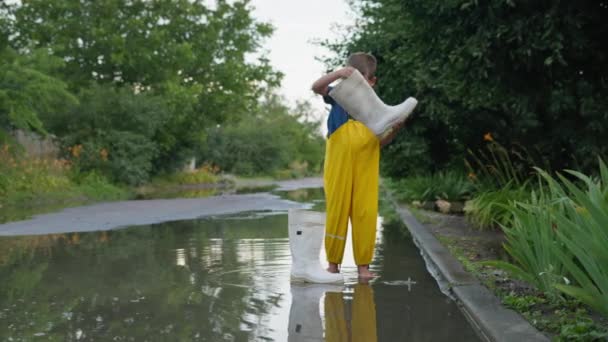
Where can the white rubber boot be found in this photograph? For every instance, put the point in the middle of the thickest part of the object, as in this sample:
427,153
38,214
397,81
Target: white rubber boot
360,101
304,319
306,233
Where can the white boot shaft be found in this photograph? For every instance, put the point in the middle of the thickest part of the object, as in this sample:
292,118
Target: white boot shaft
308,228
360,101
306,233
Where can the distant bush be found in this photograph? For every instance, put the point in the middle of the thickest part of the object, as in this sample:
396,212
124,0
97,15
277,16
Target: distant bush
111,132
277,141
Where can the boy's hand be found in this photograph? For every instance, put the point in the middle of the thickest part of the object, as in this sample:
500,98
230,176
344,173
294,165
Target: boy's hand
346,72
320,85
388,139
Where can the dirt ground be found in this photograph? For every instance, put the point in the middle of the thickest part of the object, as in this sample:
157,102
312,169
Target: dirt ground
472,245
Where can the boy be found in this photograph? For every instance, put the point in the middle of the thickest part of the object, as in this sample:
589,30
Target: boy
351,173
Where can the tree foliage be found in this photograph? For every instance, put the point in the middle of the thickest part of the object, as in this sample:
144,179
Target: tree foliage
531,73
188,52
27,92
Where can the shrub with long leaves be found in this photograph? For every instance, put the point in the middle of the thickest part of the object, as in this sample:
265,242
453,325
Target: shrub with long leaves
442,185
559,238
532,243
491,208
582,227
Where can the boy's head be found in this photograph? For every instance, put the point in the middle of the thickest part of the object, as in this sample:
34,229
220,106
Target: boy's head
365,63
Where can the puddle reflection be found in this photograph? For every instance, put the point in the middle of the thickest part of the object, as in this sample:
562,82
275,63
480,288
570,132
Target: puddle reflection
351,318
349,314
221,278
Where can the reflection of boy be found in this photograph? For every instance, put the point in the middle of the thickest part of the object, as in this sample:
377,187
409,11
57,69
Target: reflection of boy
363,320
351,173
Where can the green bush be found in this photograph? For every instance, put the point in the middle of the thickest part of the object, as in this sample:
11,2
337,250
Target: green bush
276,141
112,133
248,148
199,176
98,187
406,155
491,208
450,185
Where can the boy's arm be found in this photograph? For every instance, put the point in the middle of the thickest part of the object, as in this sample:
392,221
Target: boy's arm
321,85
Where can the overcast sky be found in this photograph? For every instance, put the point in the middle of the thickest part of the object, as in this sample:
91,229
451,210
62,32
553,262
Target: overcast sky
291,51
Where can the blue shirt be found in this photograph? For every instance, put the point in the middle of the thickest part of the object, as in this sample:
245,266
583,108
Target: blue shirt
337,115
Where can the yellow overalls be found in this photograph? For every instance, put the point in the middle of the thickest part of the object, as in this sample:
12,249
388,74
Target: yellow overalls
351,172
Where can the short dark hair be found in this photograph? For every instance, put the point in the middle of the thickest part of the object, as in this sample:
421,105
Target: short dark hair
364,62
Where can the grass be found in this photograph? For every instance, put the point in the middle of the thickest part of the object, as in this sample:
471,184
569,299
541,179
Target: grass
22,204
424,219
30,186
36,185
202,175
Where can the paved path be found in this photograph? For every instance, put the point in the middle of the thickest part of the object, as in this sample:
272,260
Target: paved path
112,215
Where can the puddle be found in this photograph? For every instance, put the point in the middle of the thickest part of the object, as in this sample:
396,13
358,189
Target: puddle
224,278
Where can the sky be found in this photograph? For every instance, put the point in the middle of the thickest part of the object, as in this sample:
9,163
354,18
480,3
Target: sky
297,23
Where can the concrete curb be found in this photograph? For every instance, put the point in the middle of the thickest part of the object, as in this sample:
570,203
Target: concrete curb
492,320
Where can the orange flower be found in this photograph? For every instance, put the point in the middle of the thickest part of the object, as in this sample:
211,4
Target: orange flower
488,137
76,150
103,237
103,154
472,175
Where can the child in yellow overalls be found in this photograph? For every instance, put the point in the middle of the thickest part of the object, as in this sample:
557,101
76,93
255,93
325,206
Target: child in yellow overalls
351,173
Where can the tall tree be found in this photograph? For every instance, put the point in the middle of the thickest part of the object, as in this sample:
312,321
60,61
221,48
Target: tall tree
27,92
192,54
531,73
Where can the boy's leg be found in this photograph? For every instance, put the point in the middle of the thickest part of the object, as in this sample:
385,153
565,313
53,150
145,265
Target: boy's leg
365,197
337,177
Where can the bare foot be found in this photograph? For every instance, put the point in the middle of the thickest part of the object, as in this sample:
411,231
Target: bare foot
333,268
364,272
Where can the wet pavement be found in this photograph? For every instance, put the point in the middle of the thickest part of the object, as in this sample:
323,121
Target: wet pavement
112,215
219,278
